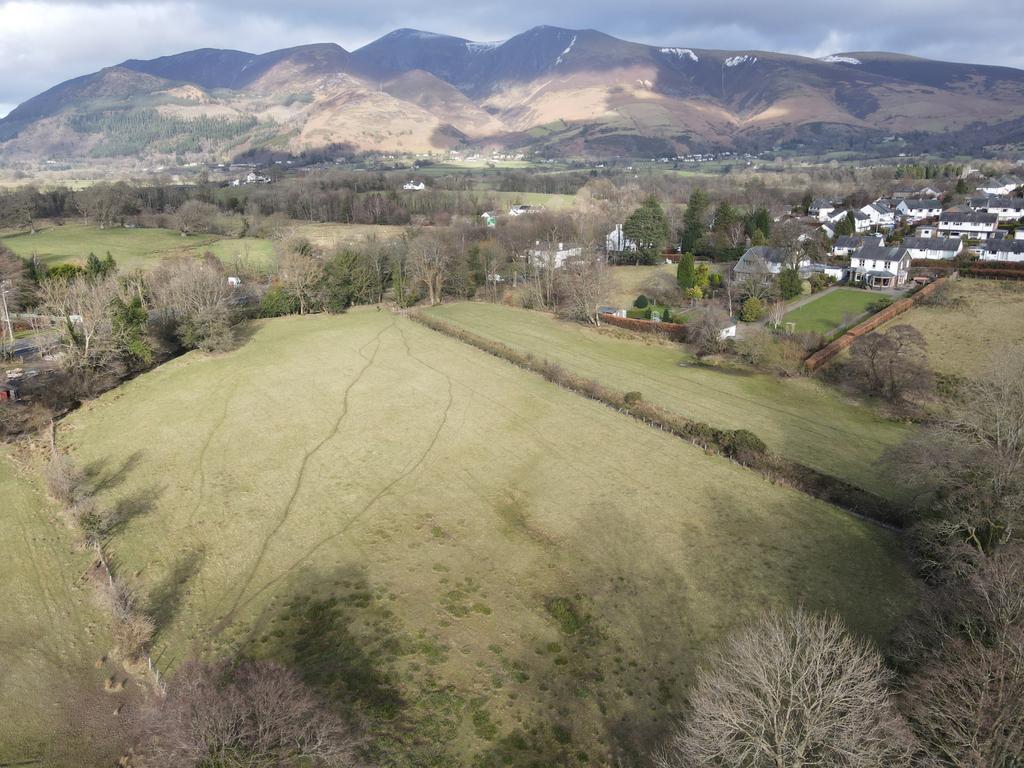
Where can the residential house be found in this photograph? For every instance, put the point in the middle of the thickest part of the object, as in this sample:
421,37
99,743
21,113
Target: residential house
1002,250
975,225
617,242
414,186
520,210
880,266
879,214
1001,186
917,193
1006,208
846,244
489,219
829,270
829,230
933,247
861,221
821,209
553,254
918,209
765,260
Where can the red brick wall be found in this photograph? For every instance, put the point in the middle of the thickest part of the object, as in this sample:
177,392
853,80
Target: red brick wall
826,353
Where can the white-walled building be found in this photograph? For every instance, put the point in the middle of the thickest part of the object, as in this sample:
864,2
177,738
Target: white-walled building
933,247
1006,208
1002,250
617,242
918,209
765,260
879,214
974,225
553,254
821,209
846,244
880,266
414,186
1001,186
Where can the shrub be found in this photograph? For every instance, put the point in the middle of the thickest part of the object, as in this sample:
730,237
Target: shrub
632,398
753,310
743,445
277,302
641,302
639,314
879,304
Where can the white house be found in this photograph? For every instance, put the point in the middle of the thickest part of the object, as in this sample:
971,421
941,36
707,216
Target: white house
1006,208
519,210
829,270
821,209
617,242
1002,250
861,221
845,245
975,225
548,255
1001,186
916,193
489,219
880,266
414,186
933,247
879,214
918,209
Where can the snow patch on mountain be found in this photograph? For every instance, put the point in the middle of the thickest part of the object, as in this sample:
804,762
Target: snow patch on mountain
682,53
566,51
840,60
735,61
473,47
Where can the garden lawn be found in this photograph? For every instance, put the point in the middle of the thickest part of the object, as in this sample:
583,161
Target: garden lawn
799,418
831,310
491,569
53,710
965,338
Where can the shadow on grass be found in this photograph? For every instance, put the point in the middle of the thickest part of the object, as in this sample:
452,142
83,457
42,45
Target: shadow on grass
167,596
103,478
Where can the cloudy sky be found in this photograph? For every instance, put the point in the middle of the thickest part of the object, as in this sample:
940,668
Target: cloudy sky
44,42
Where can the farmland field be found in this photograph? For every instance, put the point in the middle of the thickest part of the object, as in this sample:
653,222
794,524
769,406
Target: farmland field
963,339
53,710
329,236
131,248
825,314
469,555
798,418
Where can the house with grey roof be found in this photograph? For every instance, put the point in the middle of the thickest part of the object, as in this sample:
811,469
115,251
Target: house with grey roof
933,247
880,266
1004,185
1006,208
918,209
1002,250
845,245
974,225
765,261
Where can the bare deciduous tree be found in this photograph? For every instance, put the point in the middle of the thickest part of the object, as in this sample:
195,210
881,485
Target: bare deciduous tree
195,216
892,364
793,691
584,283
193,298
301,275
429,260
253,715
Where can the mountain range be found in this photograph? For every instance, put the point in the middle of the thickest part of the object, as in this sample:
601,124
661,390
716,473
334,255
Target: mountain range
548,89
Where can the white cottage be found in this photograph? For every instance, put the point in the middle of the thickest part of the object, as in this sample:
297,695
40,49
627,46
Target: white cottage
933,247
880,266
617,242
975,225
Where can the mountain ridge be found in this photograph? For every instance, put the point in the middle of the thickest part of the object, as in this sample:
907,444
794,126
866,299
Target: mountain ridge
563,90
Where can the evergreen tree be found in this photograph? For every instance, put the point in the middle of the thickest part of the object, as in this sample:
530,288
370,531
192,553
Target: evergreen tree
648,228
686,274
789,283
693,220
845,226
807,201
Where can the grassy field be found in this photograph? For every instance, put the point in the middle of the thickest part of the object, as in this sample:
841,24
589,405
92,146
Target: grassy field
626,283
532,198
825,314
494,570
53,710
799,418
964,339
330,236
131,248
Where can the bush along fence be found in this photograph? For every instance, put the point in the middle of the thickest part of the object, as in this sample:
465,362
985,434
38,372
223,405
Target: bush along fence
132,629
674,331
740,445
829,351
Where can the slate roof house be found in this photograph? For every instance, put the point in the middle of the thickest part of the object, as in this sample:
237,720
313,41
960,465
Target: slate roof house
764,260
847,244
917,209
1002,250
1001,186
976,225
880,266
1006,208
933,247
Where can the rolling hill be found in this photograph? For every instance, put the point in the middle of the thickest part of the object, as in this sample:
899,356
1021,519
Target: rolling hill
560,90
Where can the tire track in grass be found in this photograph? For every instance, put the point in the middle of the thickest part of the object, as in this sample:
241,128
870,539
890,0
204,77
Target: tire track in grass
408,471
300,479
201,460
